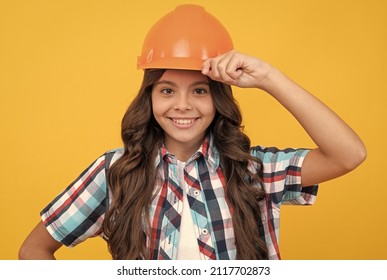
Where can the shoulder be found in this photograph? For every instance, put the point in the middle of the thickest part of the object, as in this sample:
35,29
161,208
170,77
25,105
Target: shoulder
274,154
115,152
112,156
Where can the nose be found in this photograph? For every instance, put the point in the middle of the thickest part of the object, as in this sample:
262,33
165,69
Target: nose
183,102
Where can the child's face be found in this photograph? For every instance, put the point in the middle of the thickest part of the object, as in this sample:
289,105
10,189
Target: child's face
183,107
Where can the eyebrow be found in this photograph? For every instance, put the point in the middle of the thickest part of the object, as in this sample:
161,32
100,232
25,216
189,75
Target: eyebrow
174,84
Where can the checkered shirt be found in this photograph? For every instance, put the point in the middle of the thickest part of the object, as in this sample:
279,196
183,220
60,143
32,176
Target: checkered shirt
78,212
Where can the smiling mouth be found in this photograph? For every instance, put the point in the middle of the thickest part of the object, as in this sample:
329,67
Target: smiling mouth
184,121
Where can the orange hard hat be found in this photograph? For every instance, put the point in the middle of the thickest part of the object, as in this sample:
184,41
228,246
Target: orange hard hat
183,39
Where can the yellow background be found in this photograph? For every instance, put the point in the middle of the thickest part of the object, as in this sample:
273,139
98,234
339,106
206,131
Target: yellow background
68,72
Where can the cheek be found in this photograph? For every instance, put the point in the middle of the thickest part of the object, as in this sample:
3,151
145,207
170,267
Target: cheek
159,108
209,108
155,106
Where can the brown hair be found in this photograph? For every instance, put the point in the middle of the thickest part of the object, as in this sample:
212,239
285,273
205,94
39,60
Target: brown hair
132,177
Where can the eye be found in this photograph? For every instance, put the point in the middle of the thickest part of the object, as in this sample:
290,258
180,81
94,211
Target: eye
166,91
200,91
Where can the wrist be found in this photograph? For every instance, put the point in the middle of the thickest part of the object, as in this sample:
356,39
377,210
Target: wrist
271,80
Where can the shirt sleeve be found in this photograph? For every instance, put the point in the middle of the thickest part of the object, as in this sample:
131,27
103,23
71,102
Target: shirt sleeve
78,212
282,175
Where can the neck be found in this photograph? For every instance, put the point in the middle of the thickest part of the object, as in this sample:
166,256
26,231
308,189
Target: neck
183,151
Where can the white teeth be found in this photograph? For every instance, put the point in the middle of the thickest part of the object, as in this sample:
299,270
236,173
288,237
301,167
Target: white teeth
183,121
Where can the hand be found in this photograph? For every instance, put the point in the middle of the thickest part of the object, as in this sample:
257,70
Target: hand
339,148
237,69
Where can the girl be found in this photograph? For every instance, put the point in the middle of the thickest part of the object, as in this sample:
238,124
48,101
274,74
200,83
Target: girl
187,184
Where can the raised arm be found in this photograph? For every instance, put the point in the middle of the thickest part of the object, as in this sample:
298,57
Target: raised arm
339,149
39,245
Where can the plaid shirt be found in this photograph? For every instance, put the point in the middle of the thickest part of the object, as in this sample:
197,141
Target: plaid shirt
78,212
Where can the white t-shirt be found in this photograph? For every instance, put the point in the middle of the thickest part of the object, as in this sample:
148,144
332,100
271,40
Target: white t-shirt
188,248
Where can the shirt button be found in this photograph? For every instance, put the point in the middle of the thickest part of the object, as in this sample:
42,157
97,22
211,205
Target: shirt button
196,192
204,231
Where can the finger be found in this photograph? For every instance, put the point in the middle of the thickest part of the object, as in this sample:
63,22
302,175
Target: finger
219,68
235,65
214,69
209,64
206,67
217,73
229,68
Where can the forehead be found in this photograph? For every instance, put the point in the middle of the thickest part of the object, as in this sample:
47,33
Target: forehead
176,75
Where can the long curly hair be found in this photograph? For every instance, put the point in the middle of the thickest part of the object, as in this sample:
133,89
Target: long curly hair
132,177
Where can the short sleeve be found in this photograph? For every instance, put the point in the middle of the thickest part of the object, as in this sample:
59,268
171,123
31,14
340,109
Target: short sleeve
282,175
78,212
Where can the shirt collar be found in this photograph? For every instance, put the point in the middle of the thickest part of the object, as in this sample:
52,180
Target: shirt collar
207,150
